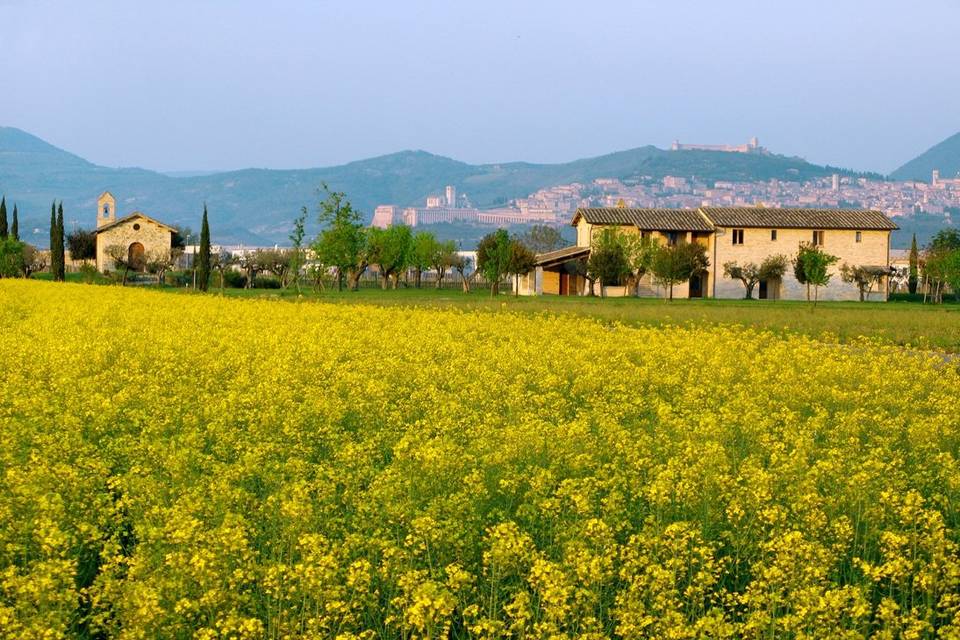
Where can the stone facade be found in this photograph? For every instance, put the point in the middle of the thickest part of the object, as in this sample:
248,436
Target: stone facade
137,233
873,249
857,238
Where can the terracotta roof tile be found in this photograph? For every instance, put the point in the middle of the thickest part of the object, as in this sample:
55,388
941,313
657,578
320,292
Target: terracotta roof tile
795,218
646,219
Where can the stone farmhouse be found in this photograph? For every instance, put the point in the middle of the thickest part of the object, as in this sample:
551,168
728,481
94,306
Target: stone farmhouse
139,234
729,234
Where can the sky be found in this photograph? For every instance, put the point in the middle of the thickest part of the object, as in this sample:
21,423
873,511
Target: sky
217,85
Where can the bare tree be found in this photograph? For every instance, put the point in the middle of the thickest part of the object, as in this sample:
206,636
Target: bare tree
159,261
461,264
221,261
251,264
120,257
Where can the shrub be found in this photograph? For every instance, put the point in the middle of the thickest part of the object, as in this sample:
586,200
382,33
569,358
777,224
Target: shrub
266,282
88,273
234,279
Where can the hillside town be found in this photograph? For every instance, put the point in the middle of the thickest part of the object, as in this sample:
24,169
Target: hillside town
557,204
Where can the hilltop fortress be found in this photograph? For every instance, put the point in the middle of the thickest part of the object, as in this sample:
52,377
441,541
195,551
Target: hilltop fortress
753,146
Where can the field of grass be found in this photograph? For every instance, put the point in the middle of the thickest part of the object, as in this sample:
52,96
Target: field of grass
209,467
909,324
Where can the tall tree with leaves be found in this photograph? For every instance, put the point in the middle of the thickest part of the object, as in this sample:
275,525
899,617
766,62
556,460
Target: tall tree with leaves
3,218
391,249
444,257
61,255
914,275
15,227
343,242
203,257
425,245
522,261
53,240
814,265
82,245
609,260
493,258
541,238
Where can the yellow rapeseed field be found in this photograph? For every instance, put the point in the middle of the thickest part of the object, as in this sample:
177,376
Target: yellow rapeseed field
195,467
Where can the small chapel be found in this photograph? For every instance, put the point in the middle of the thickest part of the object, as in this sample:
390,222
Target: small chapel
138,235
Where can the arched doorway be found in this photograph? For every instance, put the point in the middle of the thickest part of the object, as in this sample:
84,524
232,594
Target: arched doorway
135,257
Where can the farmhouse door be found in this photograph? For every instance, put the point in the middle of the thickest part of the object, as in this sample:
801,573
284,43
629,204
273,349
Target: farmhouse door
564,283
696,286
764,290
135,257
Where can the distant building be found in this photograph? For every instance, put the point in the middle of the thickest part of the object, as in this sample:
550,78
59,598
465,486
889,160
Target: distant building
451,193
385,215
727,234
753,146
414,216
943,183
138,234
675,182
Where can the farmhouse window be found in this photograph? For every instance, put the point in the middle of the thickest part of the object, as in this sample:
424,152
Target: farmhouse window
773,235
859,236
738,236
818,238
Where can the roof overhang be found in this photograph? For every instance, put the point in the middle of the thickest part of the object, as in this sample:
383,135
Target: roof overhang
554,258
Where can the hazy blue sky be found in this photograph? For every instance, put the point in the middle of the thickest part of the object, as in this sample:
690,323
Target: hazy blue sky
221,85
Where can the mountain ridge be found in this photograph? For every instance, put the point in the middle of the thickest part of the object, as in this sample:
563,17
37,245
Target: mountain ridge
256,205
943,156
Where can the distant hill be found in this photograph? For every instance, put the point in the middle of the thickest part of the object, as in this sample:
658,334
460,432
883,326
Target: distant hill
256,206
944,156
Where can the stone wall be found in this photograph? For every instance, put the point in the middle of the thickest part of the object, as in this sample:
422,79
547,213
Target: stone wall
757,244
151,235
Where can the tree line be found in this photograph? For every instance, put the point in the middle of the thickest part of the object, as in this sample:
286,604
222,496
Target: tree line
347,247
21,259
936,268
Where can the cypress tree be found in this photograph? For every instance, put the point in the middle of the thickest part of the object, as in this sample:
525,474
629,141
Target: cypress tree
3,218
914,266
53,241
61,256
15,228
203,259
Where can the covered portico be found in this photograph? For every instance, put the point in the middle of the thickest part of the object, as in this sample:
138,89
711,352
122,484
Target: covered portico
557,273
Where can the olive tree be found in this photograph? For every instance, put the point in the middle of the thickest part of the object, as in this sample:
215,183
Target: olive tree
863,276
748,274
159,261
522,261
673,264
609,260
772,268
120,258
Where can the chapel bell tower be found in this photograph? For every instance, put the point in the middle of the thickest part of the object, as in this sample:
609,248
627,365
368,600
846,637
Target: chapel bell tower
106,209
